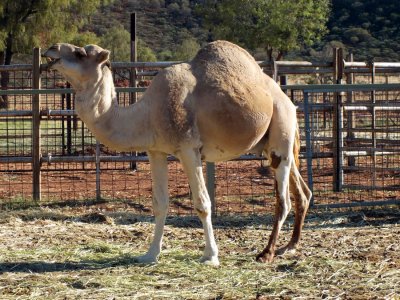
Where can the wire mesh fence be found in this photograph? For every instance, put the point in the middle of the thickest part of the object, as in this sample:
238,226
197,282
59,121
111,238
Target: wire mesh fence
352,144
367,152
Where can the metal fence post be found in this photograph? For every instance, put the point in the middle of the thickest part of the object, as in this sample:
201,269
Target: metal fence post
308,144
68,99
351,122
373,124
36,151
338,111
337,143
210,182
340,118
98,184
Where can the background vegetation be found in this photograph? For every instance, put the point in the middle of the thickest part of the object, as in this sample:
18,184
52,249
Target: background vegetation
368,28
175,29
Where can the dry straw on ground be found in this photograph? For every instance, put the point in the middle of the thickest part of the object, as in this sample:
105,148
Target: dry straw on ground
78,253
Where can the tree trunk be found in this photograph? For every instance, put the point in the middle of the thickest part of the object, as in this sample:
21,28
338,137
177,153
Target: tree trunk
3,98
269,54
279,56
5,59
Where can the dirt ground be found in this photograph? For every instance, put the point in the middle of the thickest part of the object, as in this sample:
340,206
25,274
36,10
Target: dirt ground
87,252
240,187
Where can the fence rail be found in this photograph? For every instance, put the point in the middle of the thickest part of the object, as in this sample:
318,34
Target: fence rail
350,142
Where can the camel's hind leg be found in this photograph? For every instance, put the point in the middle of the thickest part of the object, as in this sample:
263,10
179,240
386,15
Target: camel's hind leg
282,208
282,147
302,197
288,175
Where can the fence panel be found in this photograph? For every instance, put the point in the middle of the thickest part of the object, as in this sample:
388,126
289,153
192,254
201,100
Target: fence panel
71,170
16,136
367,139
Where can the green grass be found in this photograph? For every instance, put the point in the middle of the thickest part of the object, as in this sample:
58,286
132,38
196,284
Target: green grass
15,136
20,133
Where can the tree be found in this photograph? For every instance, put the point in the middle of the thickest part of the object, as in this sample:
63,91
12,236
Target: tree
28,23
117,40
368,28
187,50
275,25
144,52
85,38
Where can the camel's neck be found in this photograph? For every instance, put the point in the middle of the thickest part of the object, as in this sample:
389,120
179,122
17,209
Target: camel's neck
120,128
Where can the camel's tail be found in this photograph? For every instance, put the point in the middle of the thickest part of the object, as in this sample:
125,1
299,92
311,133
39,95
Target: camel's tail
296,147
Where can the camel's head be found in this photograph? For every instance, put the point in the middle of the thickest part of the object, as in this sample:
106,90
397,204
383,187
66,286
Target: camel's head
77,64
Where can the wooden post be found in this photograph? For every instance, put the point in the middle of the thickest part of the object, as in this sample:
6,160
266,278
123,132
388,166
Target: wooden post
36,151
337,122
275,71
133,71
283,81
340,66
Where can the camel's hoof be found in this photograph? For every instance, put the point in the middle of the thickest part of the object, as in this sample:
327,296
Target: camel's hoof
265,257
210,261
145,259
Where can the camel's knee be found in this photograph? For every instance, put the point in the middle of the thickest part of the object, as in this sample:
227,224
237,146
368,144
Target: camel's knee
202,207
160,206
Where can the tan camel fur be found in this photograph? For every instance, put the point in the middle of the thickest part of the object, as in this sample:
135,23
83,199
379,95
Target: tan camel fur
217,107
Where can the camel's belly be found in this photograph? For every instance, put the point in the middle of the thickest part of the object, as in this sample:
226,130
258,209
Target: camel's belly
224,141
216,154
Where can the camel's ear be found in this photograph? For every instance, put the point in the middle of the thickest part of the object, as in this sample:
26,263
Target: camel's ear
103,56
81,51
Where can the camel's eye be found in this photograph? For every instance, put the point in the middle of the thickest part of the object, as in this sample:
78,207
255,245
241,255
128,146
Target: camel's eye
79,54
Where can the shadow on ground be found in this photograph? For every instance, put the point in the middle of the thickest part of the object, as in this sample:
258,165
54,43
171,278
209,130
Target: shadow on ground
46,267
90,212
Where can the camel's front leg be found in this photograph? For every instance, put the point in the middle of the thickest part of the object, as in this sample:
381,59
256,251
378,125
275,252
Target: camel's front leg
191,161
159,175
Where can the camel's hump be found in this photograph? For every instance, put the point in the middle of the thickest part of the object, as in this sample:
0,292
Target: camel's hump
222,60
221,50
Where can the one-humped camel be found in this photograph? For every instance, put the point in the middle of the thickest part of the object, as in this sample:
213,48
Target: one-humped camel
217,107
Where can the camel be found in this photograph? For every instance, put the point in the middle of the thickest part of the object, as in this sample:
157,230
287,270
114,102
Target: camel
214,108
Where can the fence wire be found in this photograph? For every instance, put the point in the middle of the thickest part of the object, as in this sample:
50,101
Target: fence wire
355,161
370,154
